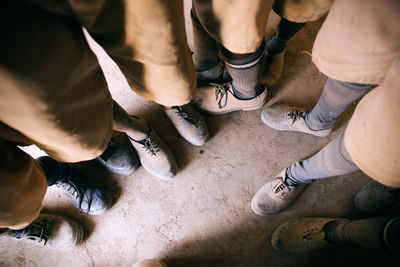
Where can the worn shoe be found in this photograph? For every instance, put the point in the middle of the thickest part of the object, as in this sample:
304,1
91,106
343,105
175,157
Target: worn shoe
293,120
275,196
155,156
88,196
220,99
303,234
52,231
189,123
119,158
272,68
377,199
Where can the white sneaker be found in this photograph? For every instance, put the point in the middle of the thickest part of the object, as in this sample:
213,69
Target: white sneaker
275,196
220,99
303,234
189,123
52,231
293,120
155,156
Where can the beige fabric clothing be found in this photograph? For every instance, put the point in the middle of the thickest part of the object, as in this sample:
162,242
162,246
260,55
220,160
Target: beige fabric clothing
372,137
147,40
20,175
358,40
239,25
302,10
53,92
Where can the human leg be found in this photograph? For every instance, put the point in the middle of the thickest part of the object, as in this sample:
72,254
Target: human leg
332,160
285,31
245,71
309,234
274,50
206,61
154,155
89,196
23,186
244,92
279,193
160,70
335,98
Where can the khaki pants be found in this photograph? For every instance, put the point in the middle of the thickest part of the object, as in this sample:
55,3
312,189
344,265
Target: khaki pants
359,43
22,187
239,26
53,92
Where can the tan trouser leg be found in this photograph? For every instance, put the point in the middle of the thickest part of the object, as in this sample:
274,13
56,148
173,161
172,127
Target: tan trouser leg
22,187
53,91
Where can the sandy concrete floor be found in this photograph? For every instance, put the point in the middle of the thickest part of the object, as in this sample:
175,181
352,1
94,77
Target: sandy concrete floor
203,217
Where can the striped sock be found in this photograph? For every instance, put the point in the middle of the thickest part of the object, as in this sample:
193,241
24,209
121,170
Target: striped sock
245,72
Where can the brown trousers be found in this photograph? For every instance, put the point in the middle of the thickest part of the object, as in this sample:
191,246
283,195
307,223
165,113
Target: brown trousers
54,94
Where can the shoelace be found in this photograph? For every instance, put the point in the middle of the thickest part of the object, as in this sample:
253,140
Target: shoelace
221,93
282,187
151,147
295,115
75,191
37,230
182,114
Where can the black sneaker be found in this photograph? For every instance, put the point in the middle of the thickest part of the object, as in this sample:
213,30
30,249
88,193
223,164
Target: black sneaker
88,196
119,158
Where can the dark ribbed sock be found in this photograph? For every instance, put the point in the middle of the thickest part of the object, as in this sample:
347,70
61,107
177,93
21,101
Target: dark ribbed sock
205,54
286,29
290,180
331,233
52,169
365,232
245,72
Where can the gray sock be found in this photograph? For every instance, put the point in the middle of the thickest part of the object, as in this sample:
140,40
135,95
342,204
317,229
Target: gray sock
205,55
332,160
333,234
335,98
245,72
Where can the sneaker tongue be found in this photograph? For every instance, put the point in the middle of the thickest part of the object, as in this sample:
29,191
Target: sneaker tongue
281,186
